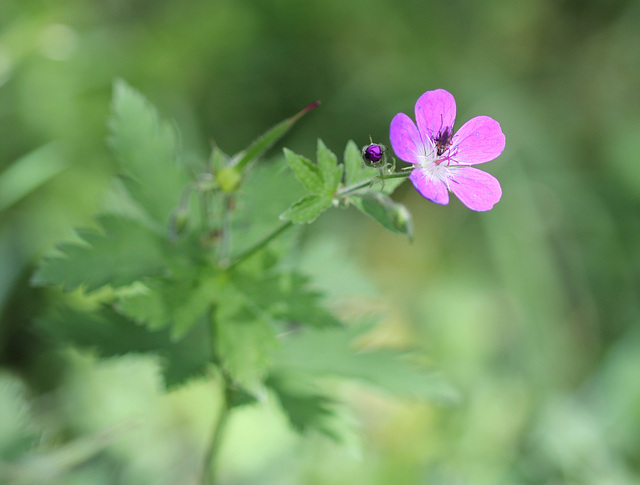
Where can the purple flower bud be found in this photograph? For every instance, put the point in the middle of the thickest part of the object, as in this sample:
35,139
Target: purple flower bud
373,153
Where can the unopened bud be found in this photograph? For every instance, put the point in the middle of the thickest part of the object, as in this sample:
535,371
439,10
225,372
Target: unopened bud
228,179
373,155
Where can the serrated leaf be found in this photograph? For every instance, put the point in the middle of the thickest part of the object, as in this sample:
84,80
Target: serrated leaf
123,252
264,142
286,297
331,352
147,150
244,340
306,408
305,171
110,334
161,302
328,165
392,215
307,209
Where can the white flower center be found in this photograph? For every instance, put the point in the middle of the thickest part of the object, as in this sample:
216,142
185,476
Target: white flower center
434,166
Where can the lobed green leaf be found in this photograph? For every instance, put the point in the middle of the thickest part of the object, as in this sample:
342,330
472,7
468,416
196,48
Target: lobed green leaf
109,334
161,302
123,252
244,339
331,352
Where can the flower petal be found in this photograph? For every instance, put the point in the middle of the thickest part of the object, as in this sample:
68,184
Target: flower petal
405,139
476,189
432,189
479,140
435,110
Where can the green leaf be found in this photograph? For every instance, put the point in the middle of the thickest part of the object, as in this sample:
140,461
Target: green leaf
331,352
147,150
30,172
244,339
305,171
262,144
161,302
392,215
285,297
123,252
110,334
328,165
306,408
307,209
267,191
354,169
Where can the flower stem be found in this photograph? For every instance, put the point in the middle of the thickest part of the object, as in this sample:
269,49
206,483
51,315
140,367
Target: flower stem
262,243
361,185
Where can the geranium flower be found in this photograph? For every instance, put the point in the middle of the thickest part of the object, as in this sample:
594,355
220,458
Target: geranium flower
443,159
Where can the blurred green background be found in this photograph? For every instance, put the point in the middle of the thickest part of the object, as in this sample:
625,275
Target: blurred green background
531,310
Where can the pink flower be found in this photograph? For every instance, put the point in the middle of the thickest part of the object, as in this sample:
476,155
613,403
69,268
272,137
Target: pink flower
443,159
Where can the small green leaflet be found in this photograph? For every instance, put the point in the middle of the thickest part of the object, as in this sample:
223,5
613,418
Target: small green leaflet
122,252
321,180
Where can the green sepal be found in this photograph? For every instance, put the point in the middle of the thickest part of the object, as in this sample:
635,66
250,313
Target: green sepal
307,209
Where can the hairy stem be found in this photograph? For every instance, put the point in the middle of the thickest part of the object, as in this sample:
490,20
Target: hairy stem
262,243
366,183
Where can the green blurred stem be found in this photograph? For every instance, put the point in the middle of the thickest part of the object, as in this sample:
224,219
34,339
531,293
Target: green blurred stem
366,183
209,475
262,243
225,246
